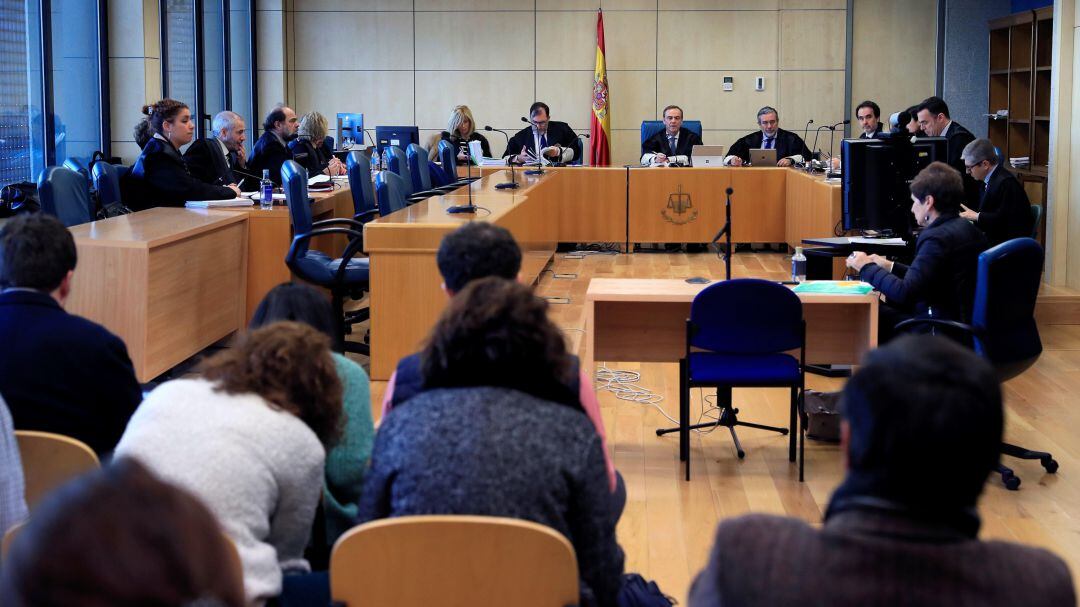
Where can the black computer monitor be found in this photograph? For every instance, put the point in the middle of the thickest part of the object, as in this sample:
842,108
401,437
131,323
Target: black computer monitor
400,136
877,178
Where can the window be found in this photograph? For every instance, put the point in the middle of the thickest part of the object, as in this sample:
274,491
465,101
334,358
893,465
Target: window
22,155
208,59
76,81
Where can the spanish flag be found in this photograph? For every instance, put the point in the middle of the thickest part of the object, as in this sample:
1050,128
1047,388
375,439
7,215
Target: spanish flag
600,125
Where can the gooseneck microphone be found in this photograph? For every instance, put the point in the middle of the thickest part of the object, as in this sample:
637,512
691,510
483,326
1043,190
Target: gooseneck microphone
832,142
512,185
805,134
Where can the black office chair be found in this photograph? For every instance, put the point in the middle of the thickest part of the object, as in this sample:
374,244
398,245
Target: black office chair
1003,328
346,276
65,194
738,335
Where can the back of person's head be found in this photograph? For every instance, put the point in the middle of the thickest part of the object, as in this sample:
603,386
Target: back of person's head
496,332
475,250
298,303
925,424
312,126
934,105
119,537
290,366
36,252
943,183
157,114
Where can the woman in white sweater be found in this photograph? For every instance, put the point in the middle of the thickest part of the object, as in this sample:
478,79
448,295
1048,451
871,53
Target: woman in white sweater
249,437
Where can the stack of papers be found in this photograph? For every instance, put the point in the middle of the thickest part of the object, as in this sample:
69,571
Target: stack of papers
318,179
1020,162
492,162
218,204
882,241
834,287
257,196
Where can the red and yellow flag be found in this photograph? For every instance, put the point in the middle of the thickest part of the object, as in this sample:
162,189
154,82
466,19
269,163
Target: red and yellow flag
600,125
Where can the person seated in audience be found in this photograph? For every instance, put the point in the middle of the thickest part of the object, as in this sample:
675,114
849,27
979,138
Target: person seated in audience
12,485
308,148
460,130
940,282
789,147
248,436
921,430
347,461
473,251
121,537
1004,211
556,140
212,159
272,150
672,144
497,432
58,372
159,178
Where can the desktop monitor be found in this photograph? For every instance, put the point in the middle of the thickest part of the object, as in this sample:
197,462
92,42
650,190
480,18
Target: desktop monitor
401,136
877,177
350,130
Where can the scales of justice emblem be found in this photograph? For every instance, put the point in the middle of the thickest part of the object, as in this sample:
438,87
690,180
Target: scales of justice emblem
680,208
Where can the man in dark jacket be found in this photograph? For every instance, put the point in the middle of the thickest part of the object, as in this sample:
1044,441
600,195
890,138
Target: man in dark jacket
789,146
272,150
556,140
922,428
58,372
212,159
671,144
933,117
940,282
1004,211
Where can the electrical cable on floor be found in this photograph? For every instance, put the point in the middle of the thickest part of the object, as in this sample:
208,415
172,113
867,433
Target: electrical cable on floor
624,385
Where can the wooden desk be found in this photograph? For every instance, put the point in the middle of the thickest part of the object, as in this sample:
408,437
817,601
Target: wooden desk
169,282
644,320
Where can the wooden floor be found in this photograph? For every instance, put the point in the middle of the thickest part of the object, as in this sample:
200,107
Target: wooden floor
666,530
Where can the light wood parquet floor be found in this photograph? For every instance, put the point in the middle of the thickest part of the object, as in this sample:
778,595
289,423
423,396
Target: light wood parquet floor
667,527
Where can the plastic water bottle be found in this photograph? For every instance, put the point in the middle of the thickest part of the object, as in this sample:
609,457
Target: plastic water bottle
267,188
798,266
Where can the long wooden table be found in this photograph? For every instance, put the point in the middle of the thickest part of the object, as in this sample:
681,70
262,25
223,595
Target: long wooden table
644,320
577,204
169,282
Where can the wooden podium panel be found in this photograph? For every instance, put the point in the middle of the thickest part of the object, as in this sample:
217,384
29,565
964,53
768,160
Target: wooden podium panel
813,207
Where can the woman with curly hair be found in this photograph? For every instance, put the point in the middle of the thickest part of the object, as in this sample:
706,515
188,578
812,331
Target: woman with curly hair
249,437
159,178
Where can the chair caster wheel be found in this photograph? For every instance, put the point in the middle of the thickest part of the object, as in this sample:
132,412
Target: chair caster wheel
1050,464
1010,480
742,454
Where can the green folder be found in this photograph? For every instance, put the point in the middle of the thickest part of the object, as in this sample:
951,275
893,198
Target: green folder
834,287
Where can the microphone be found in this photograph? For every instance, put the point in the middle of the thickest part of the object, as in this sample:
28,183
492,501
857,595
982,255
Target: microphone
512,185
465,208
817,133
726,230
832,143
805,134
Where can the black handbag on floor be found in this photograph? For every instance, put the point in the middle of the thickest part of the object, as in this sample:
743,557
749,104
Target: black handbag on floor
637,592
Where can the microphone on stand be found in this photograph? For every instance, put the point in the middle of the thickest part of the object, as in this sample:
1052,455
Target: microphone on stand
513,185
726,230
817,133
806,132
579,137
465,208
832,141
539,170
374,148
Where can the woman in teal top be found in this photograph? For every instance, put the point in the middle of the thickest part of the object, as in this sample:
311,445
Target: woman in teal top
347,462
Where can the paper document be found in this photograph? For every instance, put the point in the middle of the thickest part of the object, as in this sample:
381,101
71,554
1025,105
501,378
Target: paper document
318,179
256,196
476,155
212,204
834,287
882,241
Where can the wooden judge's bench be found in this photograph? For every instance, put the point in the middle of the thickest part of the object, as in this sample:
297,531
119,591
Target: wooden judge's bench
579,204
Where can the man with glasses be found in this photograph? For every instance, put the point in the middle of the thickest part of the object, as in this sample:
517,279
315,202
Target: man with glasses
1004,211
555,141
789,147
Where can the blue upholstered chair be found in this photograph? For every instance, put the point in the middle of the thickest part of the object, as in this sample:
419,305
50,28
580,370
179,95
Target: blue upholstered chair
398,162
448,158
345,276
107,183
65,194
739,334
1036,214
1003,328
77,165
365,207
419,172
652,127
390,191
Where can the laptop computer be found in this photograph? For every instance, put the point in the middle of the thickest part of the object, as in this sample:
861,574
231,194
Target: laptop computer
707,156
762,158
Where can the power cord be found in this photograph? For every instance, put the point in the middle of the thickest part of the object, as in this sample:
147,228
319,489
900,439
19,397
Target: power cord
624,385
